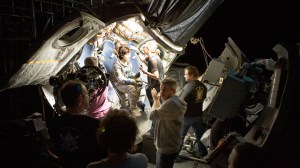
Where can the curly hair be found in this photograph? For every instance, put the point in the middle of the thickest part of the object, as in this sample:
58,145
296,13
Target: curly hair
118,131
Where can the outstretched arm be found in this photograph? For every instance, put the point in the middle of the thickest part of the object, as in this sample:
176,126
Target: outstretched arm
153,75
142,58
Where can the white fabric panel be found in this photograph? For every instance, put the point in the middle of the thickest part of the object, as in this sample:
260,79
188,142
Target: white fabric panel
49,59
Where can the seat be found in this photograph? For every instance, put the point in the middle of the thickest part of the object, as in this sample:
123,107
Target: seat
108,55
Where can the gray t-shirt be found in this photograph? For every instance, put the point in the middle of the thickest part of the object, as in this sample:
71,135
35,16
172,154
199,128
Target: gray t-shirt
155,64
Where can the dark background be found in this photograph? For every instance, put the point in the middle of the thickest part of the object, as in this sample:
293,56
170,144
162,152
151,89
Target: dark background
255,26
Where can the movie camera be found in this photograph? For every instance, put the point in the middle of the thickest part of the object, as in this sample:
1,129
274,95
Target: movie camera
94,79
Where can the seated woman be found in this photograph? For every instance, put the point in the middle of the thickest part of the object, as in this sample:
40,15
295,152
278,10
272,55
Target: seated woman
118,132
126,81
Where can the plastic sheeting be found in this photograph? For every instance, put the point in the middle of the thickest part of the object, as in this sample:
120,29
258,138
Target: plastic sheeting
179,20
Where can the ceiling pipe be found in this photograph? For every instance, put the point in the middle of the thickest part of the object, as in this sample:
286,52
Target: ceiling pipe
34,30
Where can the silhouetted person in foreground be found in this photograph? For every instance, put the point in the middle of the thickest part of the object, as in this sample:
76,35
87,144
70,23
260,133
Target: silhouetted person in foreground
245,155
118,133
74,133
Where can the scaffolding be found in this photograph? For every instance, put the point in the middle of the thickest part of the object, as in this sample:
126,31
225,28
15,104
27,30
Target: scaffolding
22,23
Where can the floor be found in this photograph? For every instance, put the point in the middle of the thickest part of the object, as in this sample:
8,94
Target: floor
185,164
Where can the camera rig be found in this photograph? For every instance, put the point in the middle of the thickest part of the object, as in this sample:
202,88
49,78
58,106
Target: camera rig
94,79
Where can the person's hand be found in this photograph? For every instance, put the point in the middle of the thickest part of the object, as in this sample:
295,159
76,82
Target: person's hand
141,68
132,82
155,95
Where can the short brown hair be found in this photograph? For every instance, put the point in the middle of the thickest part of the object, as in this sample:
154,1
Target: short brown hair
170,82
122,51
192,70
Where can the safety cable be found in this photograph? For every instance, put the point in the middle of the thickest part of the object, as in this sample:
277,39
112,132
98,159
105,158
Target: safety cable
204,51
